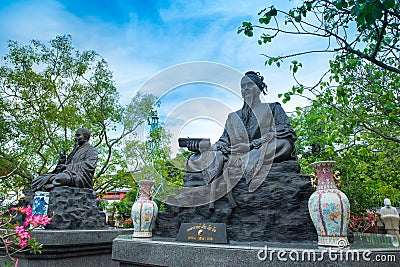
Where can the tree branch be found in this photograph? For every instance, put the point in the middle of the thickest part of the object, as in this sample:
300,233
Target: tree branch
394,138
373,60
301,53
380,35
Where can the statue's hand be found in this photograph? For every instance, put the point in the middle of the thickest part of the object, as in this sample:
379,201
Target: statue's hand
220,146
225,150
61,180
192,146
240,148
61,167
63,158
196,146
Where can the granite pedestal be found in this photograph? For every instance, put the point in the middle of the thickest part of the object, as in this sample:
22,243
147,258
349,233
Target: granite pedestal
76,248
71,208
367,250
276,211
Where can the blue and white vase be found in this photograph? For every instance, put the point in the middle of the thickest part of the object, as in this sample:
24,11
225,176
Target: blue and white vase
41,203
144,211
329,208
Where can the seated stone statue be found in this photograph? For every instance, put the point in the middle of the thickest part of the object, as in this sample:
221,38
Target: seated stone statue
76,170
254,137
390,218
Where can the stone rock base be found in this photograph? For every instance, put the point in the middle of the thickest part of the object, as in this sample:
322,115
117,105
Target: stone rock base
276,211
73,208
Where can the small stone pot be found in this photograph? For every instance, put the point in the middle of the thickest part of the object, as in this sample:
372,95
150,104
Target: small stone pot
329,208
144,211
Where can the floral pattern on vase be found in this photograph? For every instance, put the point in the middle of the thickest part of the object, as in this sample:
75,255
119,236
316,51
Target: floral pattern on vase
329,208
144,211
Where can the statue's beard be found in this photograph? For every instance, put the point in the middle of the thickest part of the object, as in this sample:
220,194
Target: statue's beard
246,109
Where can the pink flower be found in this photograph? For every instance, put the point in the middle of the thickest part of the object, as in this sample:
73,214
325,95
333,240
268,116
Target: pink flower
8,242
19,229
37,219
25,235
22,234
45,220
28,210
23,243
28,221
22,231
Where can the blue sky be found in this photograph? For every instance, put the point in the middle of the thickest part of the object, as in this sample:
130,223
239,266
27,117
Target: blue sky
142,38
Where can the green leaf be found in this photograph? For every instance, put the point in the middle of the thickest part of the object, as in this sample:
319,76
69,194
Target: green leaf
308,6
6,264
300,90
388,4
355,11
273,12
261,11
287,97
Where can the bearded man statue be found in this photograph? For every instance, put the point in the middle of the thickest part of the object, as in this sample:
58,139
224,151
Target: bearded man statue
254,137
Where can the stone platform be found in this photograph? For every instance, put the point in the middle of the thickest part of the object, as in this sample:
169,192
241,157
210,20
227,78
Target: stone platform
77,248
367,250
276,211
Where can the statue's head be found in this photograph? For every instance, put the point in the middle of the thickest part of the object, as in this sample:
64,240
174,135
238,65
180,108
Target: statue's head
387,202
252,79
85,132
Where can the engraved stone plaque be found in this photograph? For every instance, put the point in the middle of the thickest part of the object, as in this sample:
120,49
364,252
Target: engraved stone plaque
203,233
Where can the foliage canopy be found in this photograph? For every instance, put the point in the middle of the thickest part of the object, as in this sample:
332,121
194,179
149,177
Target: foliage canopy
47,91
353,117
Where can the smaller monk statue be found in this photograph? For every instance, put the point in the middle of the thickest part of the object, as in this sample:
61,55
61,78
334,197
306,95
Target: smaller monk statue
390,218
76,170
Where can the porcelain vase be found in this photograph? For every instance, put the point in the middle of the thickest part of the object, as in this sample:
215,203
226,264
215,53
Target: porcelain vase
144,211
329,208
41,203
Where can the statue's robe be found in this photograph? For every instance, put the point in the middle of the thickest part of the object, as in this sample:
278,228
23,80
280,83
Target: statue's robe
81,165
